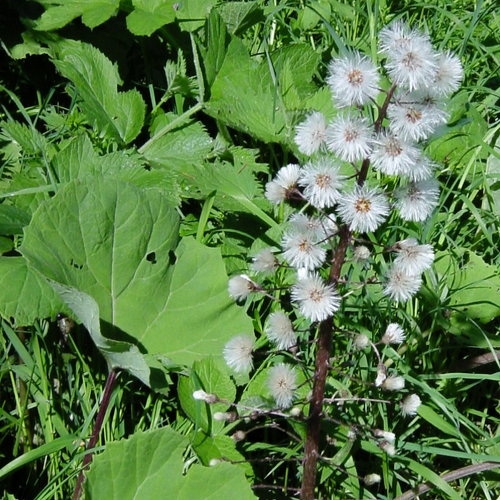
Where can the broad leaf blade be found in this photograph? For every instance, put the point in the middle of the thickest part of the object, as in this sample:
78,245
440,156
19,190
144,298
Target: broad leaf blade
118,115
150,465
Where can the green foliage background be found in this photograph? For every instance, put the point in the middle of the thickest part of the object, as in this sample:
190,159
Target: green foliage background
135,140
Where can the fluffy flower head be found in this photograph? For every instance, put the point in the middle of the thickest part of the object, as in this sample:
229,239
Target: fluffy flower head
264,261
241,286
279,329
409,405
448,76
394,334
392,156
353,80
238,353
321,181
300,250
364,209
310,135
401,286
316,300
417,200
282,382
412,257
349,137
286,179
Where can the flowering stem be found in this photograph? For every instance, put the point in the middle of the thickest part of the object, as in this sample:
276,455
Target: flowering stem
325,340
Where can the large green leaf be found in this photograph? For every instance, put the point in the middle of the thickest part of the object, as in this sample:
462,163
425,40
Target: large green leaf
191,14
117,115
12,219
24,294
150,15
62,12
149,465
115,243
263,97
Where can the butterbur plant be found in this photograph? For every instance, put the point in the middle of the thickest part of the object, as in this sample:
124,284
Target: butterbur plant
361,181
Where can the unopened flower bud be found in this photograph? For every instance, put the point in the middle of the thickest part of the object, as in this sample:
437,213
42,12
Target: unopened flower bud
389,448
295,412
361,341
201,395
214,461
228,416
239,436
361,253
371,479
393,383
390,437
381,375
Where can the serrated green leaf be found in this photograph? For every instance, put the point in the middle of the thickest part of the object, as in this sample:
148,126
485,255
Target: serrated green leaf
191,14
239,16
62,12
236,190
115,243
13,219
118,354
150,465
117,115
28,138
24,294
262,98
180,148
150,15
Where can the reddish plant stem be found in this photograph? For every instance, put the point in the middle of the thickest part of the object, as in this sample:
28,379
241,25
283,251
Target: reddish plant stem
108,389
311,446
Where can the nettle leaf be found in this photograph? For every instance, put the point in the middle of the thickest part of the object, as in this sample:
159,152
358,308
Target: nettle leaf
24,294
118,354
181,147
150,465
239,16
236,189
191,14
62,12
117,115
13,219
263,98
150,15
116,243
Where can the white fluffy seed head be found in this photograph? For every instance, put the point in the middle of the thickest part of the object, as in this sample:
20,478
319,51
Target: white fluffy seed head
393,156
201,395
364,209
238,353
389,448
310,135
410,405
412,257
349,137
400,285
301,250
279,330
448,76
361,341
264,261
322,181
390,437
417,200
282,383
353,80
241,286
394,334
361,253
393,383
371,479
280,187
316,300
